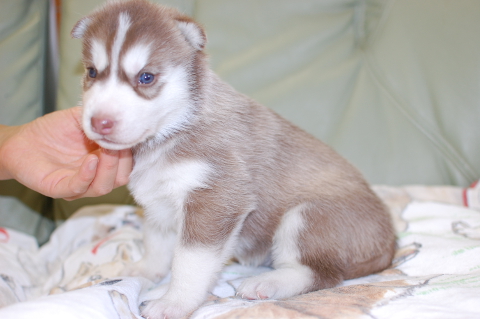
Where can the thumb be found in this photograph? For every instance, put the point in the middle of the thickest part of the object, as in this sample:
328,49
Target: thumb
80,182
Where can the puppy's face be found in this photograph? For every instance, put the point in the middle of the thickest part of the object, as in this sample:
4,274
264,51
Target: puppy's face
138,66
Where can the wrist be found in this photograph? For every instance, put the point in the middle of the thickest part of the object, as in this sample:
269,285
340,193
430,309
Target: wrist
6,133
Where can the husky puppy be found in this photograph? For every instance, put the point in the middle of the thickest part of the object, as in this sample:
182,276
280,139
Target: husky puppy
219,175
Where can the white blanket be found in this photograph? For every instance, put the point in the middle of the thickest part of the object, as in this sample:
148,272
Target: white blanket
436,273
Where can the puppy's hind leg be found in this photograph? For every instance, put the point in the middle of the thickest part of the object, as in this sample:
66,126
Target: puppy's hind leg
290,277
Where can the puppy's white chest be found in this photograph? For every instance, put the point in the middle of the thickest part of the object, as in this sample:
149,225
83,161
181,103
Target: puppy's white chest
162,187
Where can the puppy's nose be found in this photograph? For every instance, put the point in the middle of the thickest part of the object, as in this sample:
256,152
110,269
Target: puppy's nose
102,126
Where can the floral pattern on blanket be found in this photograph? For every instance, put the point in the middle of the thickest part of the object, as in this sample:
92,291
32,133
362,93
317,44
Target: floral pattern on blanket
436,269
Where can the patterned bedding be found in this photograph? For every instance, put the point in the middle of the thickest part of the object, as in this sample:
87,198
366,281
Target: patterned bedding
436,272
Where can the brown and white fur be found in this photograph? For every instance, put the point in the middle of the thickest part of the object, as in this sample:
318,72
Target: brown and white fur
219,175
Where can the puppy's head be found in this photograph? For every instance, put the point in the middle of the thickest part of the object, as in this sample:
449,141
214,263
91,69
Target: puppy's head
142,65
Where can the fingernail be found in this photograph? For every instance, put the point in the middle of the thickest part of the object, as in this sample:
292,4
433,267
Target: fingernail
93,164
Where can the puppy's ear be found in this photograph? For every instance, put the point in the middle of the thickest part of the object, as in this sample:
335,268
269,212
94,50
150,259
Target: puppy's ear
79,28
192,32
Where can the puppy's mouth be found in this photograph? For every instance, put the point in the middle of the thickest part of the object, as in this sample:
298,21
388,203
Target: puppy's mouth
111,145
117,138
108,142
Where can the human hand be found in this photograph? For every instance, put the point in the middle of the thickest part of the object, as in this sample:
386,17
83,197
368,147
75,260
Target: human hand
52,156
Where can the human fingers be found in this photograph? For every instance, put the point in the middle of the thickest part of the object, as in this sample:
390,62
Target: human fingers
106,174
79,183
125,167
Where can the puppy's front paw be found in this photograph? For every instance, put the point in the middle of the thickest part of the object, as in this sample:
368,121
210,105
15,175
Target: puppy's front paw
143,269
165,309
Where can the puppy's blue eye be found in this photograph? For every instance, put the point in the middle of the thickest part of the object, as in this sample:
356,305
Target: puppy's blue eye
92,72
146,78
